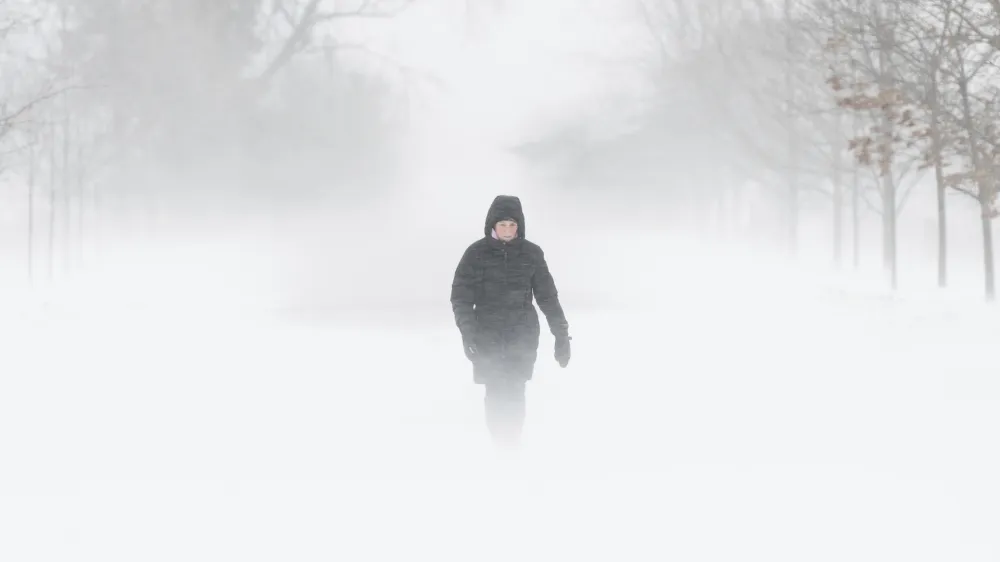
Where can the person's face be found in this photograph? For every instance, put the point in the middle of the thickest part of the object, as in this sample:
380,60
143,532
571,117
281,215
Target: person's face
506,230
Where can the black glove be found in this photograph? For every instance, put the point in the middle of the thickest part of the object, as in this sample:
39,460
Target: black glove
562,350
469,347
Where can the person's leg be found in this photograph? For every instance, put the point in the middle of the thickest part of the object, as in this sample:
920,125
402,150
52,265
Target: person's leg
505,410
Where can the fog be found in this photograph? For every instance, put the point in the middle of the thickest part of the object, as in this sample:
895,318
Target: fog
225,299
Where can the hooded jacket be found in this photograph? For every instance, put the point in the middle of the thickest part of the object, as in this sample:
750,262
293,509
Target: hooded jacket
491,297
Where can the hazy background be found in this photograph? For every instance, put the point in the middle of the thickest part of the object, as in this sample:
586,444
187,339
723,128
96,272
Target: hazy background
228,233
252,154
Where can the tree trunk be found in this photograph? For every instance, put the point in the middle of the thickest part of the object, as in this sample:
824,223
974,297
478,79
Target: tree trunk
888,204
889,212
942,227
52,201
984,187
67,207
856,217
986,223
80,199
889,231
793,188
793,215
838,200
838,218
936,148
855,178
886,82
838,188
32,165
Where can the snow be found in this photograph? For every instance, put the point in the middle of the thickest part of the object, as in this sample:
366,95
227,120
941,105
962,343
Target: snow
225,394
713,410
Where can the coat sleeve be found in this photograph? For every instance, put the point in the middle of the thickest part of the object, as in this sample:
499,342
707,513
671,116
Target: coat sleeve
547,297
468,276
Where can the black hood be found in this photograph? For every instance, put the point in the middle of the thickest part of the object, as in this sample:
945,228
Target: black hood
503,207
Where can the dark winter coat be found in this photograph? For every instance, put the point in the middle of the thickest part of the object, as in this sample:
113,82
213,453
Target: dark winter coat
491,296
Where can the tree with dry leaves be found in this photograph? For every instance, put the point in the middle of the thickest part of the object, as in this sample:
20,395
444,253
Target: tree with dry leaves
869,82
791,88
924,73
926,33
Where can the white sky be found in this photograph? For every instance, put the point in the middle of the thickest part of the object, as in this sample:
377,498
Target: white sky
507,76
506,70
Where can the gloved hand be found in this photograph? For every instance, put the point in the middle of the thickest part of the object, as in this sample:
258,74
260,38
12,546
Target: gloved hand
562,350
469,347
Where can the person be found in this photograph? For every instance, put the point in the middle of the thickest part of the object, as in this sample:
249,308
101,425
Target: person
491,297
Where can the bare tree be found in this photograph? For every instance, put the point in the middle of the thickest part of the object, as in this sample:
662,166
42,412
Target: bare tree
150,123
32,169
925,35
742,117
970,66
799,109
298,21
790,124
23,103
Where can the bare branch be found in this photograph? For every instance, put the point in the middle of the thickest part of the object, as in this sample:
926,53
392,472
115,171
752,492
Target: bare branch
311,17
367,9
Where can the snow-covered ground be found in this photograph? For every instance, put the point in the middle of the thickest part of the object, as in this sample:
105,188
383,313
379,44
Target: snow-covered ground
711,412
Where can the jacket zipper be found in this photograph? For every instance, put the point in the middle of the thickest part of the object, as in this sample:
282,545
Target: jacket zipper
503,353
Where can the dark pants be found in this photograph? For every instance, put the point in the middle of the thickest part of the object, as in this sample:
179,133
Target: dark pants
505,410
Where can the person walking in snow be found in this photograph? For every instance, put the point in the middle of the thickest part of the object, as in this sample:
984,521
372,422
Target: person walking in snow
491,297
